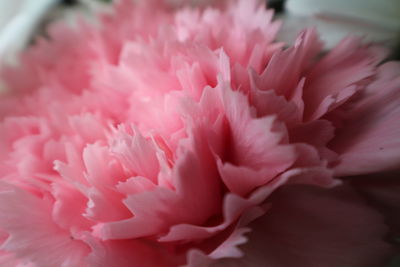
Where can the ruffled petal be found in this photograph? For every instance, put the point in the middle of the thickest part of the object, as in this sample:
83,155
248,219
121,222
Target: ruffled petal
52,245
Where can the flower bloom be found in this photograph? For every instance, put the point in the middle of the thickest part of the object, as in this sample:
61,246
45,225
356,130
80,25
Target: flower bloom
155,138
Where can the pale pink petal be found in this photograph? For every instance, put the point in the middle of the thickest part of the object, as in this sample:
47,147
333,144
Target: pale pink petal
68,208
103,172
146,222
136,154
136,185
53,245
240,179
9,260
196,188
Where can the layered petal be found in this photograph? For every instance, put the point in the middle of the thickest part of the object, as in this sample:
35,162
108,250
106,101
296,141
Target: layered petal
53,245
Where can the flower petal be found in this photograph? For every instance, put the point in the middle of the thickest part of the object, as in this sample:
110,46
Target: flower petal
53,246
369,140
309,226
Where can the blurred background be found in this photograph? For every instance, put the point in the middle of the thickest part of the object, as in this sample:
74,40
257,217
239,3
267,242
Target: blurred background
376,21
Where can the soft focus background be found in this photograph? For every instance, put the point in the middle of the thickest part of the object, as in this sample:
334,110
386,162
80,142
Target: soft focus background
22,20
375,20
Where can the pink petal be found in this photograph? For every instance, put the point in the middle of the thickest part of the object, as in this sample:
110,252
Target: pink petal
308,226
125,253
317,133
369,139
335,78
286,68
197,188
53,246
269,103
137,155
8,260
68,208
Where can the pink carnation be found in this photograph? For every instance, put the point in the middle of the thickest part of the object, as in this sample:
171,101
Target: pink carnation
156,137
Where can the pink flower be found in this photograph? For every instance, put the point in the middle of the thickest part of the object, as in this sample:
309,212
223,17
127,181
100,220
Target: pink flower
156,138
